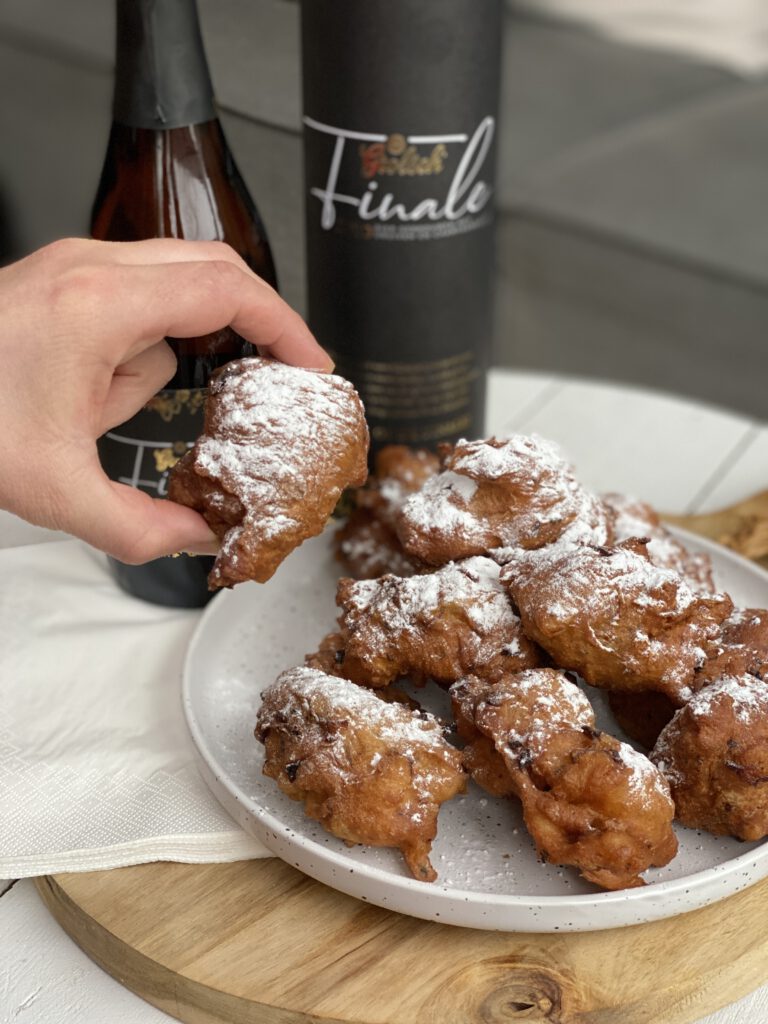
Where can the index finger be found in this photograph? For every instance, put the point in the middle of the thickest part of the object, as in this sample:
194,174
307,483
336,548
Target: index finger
190,299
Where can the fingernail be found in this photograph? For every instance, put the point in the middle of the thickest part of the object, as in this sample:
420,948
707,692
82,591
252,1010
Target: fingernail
204,549
328,367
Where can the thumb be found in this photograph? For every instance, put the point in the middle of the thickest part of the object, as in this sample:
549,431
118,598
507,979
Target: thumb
130,525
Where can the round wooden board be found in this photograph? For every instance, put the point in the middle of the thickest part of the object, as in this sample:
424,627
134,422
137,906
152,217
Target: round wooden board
257,942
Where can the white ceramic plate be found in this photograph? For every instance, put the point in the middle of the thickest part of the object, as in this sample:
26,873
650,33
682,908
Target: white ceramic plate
489,876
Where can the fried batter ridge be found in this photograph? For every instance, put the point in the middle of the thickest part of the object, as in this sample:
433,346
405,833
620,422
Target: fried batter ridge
714,753
279,446
498,494
439,626
369,771
633,518
588,800
742,648
615,618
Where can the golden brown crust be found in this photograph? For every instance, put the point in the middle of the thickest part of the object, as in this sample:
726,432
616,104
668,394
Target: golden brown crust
329,655
366,544
279,446
369,771
714,753
367,548
436,626
481,759
742,648
588,800
634,519
616,619
499,494
399,471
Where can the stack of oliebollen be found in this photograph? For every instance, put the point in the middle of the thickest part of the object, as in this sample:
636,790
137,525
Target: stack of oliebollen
491,572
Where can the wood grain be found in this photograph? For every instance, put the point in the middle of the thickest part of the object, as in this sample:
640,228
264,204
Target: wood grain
257,942
743,527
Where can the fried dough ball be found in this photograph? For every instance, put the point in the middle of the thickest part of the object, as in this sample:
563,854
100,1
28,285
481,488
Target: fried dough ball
633,518
369,771
498,494
481,758
366,544
641,715
437,626
615,618
368,548
588,800
714,753
279,446
742,648
329,656
399,472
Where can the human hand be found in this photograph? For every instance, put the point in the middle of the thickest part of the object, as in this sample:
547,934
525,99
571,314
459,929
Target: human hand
81,351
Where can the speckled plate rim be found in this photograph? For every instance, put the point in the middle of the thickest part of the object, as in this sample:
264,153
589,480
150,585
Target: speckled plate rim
465,908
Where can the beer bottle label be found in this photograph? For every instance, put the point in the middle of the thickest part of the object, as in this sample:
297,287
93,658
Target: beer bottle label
143,451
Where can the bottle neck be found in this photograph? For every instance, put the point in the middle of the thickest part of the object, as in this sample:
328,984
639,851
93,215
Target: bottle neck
161,74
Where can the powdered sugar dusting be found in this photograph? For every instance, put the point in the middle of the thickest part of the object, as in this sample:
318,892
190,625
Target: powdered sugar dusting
327,698
633,518
644,777
499,493
744,617
552,703
483,461
590,580
365,551
441,505
393,604
269,428
747,697
747,694
284,409
616,601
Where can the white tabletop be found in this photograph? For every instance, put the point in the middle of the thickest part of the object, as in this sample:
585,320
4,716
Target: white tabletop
679,455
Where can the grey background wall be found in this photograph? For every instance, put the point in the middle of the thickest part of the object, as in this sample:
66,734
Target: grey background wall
633,241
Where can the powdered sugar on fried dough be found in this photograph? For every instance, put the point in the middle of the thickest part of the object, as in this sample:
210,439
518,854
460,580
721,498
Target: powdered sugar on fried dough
280,445
437,625
496,494
614,617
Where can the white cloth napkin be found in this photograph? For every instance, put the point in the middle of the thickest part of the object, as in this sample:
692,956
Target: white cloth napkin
729,33
96,766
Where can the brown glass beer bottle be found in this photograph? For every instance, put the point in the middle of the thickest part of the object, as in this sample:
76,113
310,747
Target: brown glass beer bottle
169,173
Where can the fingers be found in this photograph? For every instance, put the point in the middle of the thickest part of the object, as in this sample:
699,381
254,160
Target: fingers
152,251
134,383
130,525
68,252
188,299
160,271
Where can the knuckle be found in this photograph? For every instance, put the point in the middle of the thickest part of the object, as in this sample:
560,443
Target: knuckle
82,289
221,251
61,250
221,274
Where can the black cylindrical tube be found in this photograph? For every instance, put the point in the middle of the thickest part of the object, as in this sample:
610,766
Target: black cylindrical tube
400,112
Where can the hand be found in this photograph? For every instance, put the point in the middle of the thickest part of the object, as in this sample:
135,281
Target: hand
81,350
